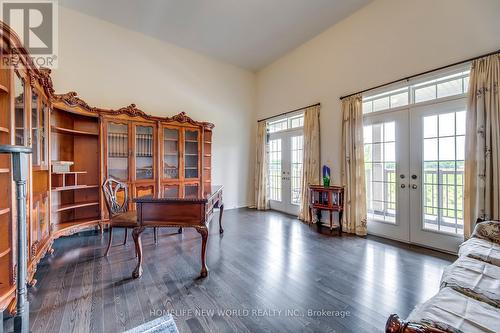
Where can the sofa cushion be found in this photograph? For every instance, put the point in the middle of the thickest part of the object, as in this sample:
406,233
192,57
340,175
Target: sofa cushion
488,230
456,312
481,249
474,278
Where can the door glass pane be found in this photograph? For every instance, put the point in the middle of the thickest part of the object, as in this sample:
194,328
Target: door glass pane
171,153
274,168
425,94
278,125
191,191
380,169
443,172
449,88
144,152
191,154
171,191
43,133
296,168
43,217
381,104
19,123
118,151
35,129
297,121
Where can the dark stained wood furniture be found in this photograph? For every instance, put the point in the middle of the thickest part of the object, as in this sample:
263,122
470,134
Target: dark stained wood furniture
119,214
166,210
397,325
331,199
148,153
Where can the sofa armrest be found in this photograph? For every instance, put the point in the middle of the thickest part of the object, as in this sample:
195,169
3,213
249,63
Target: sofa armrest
488,230
396,325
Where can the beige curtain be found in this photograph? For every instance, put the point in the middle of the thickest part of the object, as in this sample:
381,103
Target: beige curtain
261,193
311,167
353,167
482,143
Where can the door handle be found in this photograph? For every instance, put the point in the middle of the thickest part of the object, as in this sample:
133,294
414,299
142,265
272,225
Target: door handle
414,186
403,185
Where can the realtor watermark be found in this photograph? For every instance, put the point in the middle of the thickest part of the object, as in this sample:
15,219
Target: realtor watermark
36,25
254,312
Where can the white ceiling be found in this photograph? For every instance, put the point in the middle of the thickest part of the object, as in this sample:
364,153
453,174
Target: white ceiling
247,33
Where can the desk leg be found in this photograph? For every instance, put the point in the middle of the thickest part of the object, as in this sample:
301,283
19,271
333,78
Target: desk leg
221,207
204,237
136,234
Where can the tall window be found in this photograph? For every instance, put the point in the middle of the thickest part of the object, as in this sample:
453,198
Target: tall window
417,91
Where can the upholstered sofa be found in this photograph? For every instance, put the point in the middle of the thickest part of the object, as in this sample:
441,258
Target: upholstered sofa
469,296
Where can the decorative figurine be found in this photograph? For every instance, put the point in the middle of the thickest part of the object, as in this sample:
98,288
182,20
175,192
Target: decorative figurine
326,176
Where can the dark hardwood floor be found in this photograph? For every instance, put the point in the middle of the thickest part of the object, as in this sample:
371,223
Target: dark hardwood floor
268,273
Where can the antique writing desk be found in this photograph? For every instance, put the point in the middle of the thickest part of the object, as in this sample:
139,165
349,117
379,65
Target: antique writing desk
189,212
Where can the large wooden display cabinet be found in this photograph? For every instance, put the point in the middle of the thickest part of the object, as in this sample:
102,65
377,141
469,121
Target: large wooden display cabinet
150,154
24,118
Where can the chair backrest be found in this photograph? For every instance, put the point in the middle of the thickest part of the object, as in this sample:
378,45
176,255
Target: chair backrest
111,187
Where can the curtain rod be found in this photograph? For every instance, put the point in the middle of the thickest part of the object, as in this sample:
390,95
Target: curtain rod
423,73
284,113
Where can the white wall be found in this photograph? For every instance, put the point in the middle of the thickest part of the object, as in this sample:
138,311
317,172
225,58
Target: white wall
111,67
384,41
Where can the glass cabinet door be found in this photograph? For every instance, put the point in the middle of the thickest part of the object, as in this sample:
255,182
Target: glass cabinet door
42,216
35,129
118,151
170,153
191,191
144,150
191,154
19,121
171,191
43,134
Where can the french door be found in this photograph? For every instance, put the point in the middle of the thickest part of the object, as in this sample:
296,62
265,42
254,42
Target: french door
285,158
437,174
386,172
414,164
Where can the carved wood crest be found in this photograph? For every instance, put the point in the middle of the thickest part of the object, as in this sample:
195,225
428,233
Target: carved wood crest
71,99
11,42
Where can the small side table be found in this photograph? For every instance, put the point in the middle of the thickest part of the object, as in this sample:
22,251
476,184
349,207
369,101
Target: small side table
330,198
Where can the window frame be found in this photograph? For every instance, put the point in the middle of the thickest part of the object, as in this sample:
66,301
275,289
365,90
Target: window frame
288,118
411,85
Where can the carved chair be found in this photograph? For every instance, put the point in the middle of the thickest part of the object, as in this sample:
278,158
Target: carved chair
119,215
